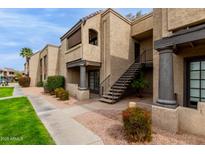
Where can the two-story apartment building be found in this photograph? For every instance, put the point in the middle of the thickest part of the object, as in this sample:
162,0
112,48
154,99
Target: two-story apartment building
104,51
43,64
98,50
7,73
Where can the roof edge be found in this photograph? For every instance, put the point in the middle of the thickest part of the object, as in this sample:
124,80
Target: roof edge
117,14
143,17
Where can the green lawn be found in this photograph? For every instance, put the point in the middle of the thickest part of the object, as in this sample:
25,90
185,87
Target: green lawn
6,91
19,124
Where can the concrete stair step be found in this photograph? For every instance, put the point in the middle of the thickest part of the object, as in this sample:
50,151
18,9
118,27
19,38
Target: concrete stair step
123,81
117,90
111,97
109,101
119,87
114,93
121,84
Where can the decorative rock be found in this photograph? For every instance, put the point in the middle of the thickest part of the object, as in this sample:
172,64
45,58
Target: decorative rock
132,105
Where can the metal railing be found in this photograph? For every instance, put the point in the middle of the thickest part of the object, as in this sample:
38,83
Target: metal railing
144,58
105,84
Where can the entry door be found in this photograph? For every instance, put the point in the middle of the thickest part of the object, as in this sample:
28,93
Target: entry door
94,81
137,52
196,82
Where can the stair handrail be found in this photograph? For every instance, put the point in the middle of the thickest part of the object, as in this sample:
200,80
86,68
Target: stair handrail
104,81
144,53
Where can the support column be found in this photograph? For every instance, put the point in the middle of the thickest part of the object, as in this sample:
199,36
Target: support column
166,79
83,77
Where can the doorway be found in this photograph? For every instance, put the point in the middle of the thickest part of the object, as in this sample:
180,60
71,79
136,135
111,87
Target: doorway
137,52
94,81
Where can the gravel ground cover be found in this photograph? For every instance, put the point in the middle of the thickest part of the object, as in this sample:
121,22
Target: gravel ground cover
108,125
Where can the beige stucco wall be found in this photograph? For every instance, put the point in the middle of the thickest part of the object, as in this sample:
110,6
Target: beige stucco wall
53,55
91,52
74,53
181,119
142,24
183,17
121,47
34,69
105,49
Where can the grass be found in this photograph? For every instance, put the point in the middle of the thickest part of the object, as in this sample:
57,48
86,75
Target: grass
6,91
19,124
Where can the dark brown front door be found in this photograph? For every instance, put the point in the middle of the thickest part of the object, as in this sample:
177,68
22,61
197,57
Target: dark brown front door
137,52
195,81
94,81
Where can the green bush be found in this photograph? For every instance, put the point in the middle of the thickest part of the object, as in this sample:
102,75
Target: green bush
40,84
45,87
64,95
24,81
137,125
58,91
54,82
140,83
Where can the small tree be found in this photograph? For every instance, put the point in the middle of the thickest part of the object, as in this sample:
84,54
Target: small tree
140,83
26,53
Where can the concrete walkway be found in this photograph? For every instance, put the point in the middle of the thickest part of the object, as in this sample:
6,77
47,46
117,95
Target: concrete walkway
61,125
16,93
59,122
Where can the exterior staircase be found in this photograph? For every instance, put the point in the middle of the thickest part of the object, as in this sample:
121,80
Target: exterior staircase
120,86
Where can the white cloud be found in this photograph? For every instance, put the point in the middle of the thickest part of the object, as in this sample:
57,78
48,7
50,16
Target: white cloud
26,21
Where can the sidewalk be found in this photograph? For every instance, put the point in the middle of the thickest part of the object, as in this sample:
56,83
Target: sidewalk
16,93
61,125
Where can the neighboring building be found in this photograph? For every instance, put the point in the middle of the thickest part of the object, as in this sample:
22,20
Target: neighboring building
7,73
104,51
43,63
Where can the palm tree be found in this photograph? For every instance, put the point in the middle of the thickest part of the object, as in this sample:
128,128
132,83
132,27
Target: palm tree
26,53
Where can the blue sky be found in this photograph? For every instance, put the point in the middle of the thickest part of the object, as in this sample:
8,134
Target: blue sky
34,28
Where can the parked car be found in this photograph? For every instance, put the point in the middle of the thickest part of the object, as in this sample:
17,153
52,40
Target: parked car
4,82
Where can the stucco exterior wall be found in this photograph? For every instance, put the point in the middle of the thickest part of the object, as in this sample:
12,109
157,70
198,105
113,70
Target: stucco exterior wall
91,52
142,24
121,47
53,55
34,69
74,53
181,119
105,49
62,70
184,17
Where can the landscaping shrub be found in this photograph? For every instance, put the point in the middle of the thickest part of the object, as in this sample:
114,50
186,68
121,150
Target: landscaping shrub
137,125
40,84
64,95
24,81
58,91
54,82
45,87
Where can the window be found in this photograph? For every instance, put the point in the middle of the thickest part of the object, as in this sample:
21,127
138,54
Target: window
196,82
41,71
74,39
93,37
45,67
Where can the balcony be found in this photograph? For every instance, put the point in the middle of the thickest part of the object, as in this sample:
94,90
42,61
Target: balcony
74,53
